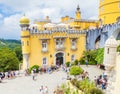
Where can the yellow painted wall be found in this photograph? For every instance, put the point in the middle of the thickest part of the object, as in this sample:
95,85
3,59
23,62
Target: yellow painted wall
109,11
36,53
25,42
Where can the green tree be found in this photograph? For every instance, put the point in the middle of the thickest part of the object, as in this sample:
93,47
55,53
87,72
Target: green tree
89,55
75,70
18,51
99,55
8,60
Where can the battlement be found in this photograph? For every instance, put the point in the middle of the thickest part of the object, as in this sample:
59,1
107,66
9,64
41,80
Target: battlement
68,31
101,34
107,27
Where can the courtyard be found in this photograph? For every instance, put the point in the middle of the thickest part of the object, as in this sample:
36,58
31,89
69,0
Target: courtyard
25,84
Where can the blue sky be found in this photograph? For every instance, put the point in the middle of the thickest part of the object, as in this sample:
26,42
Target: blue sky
12,10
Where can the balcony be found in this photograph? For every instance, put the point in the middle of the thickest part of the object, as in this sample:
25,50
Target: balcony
73,48
44,50
60,47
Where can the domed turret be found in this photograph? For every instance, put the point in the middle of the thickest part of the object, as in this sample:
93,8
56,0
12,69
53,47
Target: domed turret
111,42
24,20
110,53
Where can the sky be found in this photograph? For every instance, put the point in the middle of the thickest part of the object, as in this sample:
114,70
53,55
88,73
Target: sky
12,10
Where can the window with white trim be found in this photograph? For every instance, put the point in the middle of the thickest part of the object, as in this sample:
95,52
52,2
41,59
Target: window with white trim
73,42
72,58
44,44
59,42
44,62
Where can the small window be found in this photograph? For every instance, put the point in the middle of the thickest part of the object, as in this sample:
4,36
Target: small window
119,5
27,43
22,43
44,62
73,42
44,44
72,58
108,51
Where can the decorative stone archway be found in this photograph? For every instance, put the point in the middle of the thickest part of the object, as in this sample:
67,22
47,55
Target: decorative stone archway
59,58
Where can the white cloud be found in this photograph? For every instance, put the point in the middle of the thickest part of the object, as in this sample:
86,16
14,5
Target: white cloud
1,16
38,9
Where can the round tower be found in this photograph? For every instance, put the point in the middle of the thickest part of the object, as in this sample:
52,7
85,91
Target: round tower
109,11
25,41
78,13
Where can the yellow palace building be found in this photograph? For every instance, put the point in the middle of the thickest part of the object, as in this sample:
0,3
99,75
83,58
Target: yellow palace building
45,43
109,11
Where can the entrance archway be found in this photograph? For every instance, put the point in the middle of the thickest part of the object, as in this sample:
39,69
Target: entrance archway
59,58
97,42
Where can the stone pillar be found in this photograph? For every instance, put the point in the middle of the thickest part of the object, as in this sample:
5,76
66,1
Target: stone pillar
25,61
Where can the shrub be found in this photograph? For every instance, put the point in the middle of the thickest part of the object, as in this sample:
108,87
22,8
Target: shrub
76,62
96,91
118,48
75,70
67,64
34,67
86,86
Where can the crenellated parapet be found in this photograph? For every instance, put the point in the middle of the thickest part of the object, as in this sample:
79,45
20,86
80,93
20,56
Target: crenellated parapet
101,34
60,30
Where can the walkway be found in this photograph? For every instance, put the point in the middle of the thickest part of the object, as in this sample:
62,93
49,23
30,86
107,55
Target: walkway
25,85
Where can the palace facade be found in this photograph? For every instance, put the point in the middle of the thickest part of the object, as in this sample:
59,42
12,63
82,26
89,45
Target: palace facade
45,43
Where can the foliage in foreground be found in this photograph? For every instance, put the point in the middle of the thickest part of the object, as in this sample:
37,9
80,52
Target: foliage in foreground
96,91
118,48
86,86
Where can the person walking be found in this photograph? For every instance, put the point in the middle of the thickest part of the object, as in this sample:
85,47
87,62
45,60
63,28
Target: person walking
33,75
86,63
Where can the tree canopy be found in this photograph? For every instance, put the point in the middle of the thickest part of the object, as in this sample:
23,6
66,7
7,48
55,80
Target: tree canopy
8,60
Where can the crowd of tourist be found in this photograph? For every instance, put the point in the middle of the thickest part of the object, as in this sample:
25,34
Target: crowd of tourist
8,75
101,81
